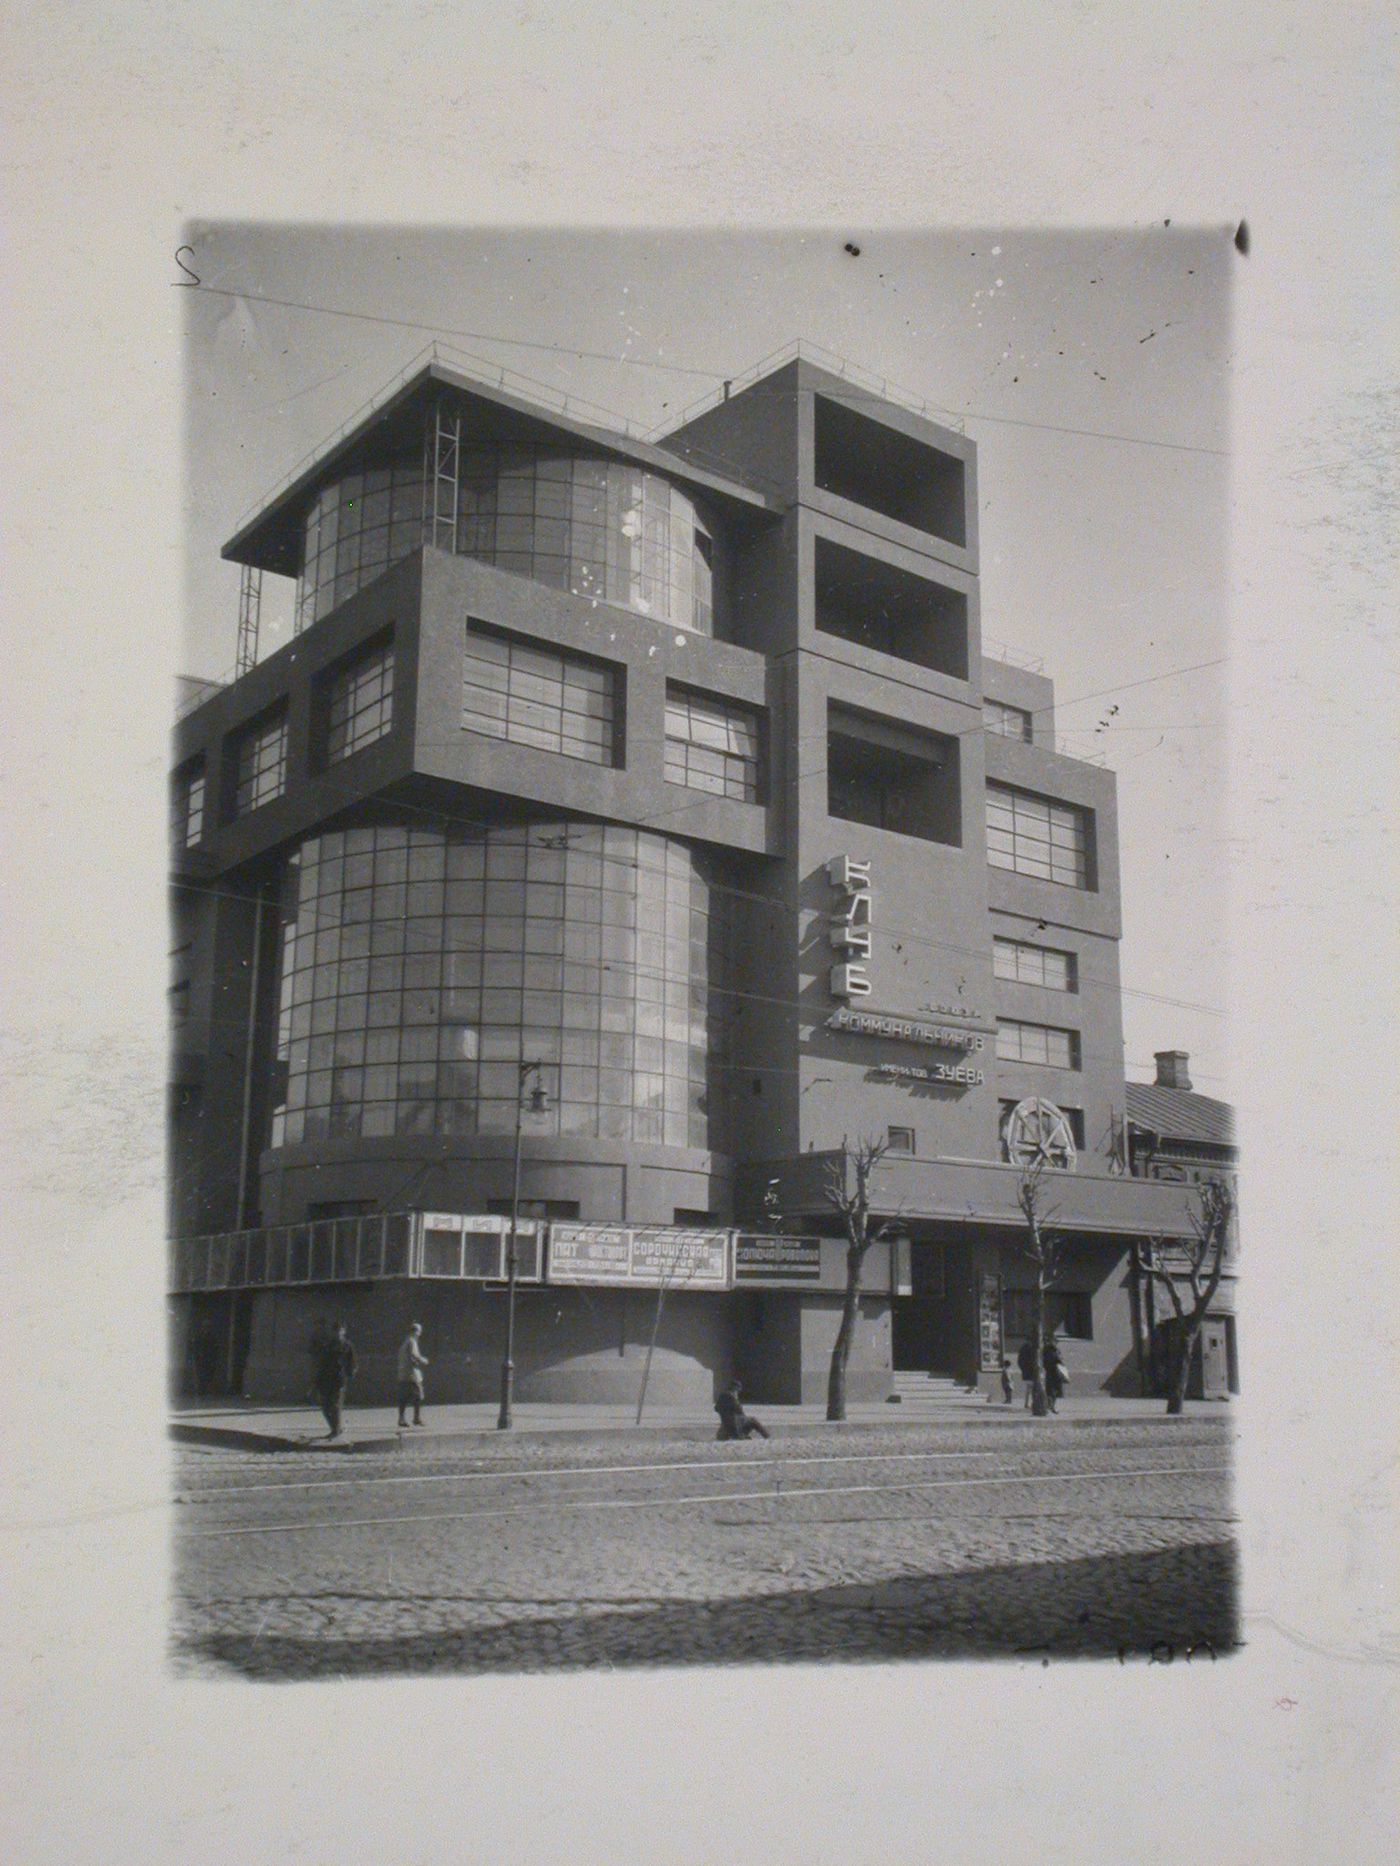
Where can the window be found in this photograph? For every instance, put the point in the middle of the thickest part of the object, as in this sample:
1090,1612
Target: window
535,1208
901,1139
1037,1043
361,707
1008,722
421,967
1024,964
1067,1312
262,765
601,528
892,777
1033,836
187,807
534,696
711,745
693,1216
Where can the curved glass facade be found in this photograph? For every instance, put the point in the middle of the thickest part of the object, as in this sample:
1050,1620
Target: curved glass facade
594,527
420,968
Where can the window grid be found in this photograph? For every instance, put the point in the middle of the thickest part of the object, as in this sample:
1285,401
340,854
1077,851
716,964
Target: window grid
1025,964
535,697
1032,836
1046,1044
598,528
420,969
262,765
355,530
1007,722
361,706
188,812
711,745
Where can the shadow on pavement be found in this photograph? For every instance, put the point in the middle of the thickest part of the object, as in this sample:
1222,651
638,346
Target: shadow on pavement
1161,1604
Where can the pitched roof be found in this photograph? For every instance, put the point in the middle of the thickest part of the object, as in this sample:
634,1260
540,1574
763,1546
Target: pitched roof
1181,1114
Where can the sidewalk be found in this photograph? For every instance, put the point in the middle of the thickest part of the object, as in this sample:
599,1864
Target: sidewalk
235,1425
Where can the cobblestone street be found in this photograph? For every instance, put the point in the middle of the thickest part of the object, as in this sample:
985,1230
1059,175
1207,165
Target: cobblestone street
869,1543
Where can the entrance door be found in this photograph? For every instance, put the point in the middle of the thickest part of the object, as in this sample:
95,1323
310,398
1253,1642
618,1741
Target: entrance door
920,1318
1215,1359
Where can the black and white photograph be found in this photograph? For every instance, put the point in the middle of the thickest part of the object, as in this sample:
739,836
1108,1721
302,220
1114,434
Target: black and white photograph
699,1017
698,951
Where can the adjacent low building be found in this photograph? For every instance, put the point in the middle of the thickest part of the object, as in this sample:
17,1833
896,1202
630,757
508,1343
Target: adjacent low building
670,780
1178,1136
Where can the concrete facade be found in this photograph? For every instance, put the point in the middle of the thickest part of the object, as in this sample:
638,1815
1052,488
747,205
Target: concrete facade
843,546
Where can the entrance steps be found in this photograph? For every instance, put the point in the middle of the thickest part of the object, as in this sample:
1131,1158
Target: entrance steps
923,1390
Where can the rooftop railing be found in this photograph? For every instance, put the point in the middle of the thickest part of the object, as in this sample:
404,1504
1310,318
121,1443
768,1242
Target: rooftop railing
879,388
489,375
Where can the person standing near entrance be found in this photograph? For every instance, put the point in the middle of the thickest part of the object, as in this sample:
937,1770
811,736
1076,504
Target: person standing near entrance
1054,1364
333,1375
1025,1363
412,1361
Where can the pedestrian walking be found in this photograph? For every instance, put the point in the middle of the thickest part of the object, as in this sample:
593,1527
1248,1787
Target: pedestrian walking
1025,1362
412,1361
734,1422
1006,1392
333,1375
1055,1378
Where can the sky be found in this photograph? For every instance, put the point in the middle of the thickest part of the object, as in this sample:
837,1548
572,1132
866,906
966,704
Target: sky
1091,369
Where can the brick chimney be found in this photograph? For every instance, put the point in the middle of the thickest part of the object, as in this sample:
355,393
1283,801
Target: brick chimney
1172,1070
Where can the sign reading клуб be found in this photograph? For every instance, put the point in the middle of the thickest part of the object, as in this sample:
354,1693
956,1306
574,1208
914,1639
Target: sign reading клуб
850,925
649,1256
776,1259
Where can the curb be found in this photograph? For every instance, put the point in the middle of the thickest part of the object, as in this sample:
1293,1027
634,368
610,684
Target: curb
230,1439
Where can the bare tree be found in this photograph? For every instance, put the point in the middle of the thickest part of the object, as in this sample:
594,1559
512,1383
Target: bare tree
1044,1247
847,1191
674,1257
1200,1260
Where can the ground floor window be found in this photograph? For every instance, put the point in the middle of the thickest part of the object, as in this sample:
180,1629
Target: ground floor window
1067,1312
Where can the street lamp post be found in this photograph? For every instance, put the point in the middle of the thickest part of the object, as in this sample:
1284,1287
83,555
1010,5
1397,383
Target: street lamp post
538,1103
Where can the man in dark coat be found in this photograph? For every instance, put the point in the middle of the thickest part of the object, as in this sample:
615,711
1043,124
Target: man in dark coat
734,1422
1025,1362
333,1375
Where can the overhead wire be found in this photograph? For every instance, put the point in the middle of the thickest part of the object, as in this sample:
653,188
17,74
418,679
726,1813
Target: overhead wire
845,392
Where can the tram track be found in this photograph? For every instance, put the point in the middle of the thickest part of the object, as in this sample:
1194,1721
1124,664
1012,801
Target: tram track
272,1486
781,1493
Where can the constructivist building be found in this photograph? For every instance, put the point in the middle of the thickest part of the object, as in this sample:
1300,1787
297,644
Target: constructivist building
670,780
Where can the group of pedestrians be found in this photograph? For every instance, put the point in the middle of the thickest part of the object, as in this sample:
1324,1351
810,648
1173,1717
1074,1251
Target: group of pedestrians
334,1365
1052,1364
334,1362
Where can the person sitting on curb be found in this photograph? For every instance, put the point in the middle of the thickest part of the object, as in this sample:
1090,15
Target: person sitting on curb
734,1422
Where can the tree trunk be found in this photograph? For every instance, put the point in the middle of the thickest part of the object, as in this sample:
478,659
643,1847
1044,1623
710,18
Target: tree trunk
845,1335
1040,1401
1181,1373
